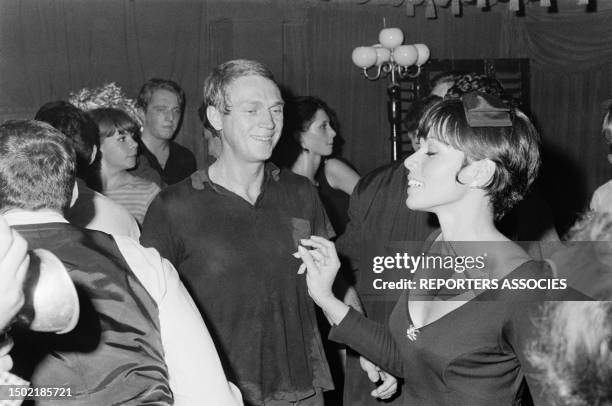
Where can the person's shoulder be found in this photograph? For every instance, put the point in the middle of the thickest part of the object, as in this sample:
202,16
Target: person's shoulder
390,178
604,190
337,164
288,178
384,174
340,175
108,208
180,193
182,150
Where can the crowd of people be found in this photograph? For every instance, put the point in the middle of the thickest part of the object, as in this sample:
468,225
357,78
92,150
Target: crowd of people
221,285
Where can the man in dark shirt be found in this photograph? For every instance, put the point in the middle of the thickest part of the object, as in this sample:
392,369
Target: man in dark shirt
233,240
380,224
160,104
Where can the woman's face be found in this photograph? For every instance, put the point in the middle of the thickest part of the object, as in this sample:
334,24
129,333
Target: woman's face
319,137
119,150
431,178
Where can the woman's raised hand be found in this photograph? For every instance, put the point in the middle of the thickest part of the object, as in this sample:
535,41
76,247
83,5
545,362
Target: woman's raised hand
321,265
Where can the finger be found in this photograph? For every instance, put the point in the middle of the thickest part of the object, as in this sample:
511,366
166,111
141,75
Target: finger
384,394
330,246
373,375
6,363
318,256
16,254
314,244
387,388
322,241
6,235
307,258
296,255
6,346
22,271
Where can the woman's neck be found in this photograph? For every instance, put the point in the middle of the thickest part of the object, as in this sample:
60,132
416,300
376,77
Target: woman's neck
307,164
470,222
113,178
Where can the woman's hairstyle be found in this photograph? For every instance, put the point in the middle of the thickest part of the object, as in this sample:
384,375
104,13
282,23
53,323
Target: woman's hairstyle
513,148
110,120
299,114
573,352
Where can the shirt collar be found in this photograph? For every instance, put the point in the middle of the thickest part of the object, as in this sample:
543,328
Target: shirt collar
271,171
21,217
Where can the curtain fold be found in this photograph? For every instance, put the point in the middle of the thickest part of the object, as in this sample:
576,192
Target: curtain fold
49,48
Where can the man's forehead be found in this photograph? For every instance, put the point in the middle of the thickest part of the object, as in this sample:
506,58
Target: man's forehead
163,96
253,88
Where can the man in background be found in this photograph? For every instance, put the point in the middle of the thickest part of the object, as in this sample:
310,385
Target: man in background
161,103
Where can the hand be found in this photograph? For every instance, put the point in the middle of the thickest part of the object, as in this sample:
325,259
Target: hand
198,178
387,388
6,362
14,262
322,264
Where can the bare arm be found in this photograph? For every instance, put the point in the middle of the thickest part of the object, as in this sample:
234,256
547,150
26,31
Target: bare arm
340,176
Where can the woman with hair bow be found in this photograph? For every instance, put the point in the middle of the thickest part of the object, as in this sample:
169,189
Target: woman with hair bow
454,346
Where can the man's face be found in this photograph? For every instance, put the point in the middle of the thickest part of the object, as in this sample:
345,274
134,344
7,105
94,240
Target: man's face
162,115
253,126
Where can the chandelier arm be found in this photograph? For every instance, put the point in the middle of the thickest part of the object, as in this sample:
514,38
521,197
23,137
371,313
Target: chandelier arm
375,77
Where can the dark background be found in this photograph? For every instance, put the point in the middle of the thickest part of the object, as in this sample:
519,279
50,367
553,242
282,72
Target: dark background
49,48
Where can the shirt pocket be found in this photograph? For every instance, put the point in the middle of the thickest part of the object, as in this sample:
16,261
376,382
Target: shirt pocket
300,228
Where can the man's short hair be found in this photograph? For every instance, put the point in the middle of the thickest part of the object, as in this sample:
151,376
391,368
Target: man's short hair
151,85
77,126
216,84
37,166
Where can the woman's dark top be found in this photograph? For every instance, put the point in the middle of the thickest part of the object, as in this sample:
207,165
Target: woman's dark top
472,356
335,202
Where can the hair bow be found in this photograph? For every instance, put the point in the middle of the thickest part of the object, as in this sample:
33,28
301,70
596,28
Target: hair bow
484,110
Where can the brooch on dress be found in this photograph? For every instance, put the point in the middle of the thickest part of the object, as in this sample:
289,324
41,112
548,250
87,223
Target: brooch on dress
411,332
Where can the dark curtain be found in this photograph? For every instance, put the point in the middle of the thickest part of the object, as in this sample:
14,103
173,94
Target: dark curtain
49,48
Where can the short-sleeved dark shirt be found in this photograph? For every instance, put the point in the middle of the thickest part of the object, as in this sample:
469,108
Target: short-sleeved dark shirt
180,164
236,259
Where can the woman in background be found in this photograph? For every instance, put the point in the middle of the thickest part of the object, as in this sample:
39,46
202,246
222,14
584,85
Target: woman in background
306,147
118,153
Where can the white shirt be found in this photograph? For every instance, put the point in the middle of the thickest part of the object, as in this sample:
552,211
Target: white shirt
95,211
602,198
196,374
